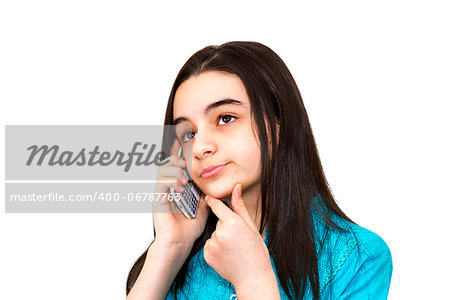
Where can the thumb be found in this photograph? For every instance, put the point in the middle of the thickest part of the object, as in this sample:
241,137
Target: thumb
238,205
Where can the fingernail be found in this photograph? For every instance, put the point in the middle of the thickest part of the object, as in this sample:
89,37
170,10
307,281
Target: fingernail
240,190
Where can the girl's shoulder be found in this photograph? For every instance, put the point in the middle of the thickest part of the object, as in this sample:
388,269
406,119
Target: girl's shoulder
352,260
369,243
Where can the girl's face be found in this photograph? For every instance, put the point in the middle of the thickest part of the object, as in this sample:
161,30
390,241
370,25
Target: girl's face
214,126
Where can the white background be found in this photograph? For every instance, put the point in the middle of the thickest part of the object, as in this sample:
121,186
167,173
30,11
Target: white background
374,77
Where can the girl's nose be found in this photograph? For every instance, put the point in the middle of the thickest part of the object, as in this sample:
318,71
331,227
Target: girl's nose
203,146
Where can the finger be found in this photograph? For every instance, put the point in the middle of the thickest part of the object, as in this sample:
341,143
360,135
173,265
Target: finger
238,205
168,174
218,208
165,184
175,160
175,147
218,225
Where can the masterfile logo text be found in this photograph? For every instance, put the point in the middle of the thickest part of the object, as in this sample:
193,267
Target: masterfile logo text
84,168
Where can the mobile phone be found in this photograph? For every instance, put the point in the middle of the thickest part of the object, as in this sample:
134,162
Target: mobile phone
188,200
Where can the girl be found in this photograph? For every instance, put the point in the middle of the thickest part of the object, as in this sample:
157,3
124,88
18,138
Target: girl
267,225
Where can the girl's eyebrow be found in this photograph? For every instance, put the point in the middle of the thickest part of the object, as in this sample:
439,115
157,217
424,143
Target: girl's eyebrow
212,106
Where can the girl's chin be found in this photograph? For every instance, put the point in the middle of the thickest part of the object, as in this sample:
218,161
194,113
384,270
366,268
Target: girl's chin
225,197
222,193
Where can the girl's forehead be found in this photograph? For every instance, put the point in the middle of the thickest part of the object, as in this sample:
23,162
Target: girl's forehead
199,91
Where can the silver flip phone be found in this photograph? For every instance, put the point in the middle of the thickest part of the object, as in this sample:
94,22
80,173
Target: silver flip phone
187,201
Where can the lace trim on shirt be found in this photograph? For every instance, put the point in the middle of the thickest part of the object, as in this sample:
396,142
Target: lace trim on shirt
340,261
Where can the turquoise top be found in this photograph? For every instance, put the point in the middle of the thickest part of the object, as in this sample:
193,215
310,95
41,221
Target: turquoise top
353,265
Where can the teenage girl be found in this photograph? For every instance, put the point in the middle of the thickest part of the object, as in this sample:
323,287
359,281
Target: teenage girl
267,225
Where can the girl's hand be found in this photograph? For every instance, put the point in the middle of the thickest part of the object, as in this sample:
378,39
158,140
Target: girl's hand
171,226
236,249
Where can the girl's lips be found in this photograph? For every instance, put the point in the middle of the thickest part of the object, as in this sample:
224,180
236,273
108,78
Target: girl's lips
213,172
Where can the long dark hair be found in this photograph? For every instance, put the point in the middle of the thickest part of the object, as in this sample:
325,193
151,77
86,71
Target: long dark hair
292,173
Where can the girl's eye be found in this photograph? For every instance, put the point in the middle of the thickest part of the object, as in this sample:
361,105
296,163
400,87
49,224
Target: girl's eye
226,119
189,134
